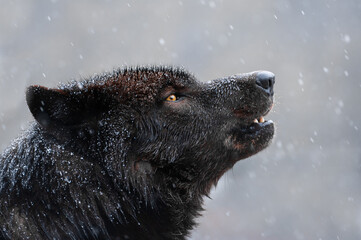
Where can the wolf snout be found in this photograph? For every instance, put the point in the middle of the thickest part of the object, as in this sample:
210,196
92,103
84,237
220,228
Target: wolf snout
265,80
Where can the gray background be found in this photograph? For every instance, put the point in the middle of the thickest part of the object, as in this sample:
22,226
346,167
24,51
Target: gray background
306,185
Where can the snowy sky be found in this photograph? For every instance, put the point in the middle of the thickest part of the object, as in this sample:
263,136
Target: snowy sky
306,184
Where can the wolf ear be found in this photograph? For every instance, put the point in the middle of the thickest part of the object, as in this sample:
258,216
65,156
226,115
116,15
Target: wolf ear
56,109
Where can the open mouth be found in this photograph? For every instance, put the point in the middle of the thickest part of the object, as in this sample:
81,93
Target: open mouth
252,138
250,119
257,125
254,128
253,132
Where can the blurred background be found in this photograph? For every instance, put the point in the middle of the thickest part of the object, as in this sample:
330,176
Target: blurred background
306,185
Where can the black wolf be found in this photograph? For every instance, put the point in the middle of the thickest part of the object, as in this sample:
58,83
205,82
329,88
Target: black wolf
128,154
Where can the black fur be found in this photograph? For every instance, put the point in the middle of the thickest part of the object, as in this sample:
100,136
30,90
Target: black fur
111,158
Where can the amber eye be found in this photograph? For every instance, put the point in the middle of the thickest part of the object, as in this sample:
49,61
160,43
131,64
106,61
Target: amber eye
171,98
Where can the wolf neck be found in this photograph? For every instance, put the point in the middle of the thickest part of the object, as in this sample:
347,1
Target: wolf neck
60,188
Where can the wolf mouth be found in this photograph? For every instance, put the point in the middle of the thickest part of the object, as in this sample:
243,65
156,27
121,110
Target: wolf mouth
259,121
250,137
258,125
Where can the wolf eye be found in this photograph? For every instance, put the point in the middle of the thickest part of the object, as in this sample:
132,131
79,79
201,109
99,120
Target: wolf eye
172,98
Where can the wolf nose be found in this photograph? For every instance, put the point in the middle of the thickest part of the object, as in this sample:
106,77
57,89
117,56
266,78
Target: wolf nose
266,80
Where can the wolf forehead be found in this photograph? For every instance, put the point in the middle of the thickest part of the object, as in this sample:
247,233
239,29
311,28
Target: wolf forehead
140,84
